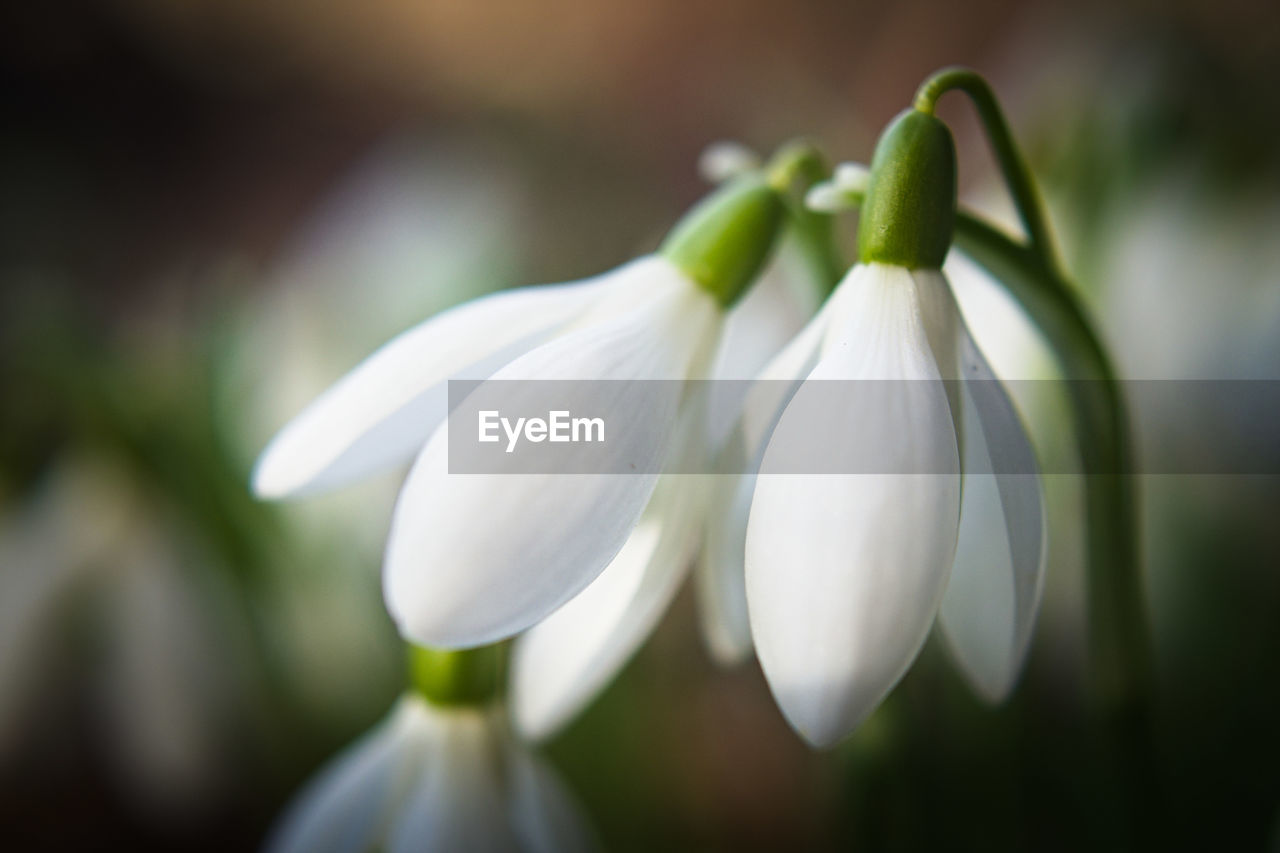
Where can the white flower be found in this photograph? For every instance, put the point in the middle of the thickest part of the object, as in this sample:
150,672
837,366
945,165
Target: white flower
472,559
845,572
434,778
95,543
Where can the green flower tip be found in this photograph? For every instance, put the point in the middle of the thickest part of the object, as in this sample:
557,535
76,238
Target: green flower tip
453,678
909,213
725,240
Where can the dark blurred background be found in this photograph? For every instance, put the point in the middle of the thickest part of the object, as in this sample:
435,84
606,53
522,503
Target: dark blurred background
210,209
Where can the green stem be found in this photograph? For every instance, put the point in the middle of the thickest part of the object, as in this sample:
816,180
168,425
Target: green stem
1119,641
1013,168
463,677
797,166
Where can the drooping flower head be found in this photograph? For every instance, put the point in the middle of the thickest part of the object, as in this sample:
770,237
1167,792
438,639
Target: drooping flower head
473,559
847,570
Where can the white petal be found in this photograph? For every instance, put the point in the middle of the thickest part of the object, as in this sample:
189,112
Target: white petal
721,161
720,574
845,571
472,559
545,815
560,664
383,411
782,375
765,321
852,177
345,808
991,601
458,801
756,330
720,577
826,197
841,192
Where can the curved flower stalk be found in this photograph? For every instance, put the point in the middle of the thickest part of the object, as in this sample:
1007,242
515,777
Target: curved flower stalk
473,559
440,772
846,571
563,662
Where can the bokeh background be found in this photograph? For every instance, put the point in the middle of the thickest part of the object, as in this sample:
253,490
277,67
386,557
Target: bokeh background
210,209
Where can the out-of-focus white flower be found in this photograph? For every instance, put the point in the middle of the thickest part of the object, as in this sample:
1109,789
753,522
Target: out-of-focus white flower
89,544
845,572
434,778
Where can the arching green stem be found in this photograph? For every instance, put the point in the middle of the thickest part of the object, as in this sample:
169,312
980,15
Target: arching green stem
1013,168
1119,643
1119,640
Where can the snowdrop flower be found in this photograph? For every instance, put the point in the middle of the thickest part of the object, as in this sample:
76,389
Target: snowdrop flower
473,559
92,542
563,662
846,572
440,772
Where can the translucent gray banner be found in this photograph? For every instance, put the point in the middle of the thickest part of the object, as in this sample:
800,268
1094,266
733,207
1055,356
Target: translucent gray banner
836,426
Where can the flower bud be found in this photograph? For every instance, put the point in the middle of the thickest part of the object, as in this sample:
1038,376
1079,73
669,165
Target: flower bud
725,240
909,212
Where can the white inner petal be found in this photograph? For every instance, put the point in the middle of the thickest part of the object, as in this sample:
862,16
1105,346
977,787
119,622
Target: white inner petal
989,610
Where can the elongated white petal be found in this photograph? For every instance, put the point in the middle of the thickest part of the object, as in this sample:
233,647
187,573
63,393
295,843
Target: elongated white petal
472,559
756,330
383,411
458,800
845,571
784,373
560,664
989,609
720,575
545,815
563,661
346,807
